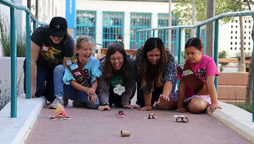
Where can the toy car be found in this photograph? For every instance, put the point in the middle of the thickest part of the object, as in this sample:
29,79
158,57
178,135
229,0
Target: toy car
181,118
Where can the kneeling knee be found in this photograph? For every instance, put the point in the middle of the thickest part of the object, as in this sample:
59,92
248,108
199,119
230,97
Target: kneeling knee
196,108
59,69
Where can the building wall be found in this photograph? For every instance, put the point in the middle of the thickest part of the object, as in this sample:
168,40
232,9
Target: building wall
51,8
116,6
225,41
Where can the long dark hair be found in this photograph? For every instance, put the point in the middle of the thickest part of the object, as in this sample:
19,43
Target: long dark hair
66,37
147,76
107,68
195,42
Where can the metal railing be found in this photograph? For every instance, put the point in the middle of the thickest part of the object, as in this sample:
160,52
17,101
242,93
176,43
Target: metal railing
13,6
197,27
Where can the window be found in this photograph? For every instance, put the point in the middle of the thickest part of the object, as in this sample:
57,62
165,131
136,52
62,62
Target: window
139,21
112,25
163,34
86,24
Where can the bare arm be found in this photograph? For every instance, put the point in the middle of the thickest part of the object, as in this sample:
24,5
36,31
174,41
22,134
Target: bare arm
212,93
211,88
95,85
180,97
167,88
35,49
78,86
147,99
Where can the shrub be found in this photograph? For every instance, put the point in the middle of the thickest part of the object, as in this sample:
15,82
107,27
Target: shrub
6,41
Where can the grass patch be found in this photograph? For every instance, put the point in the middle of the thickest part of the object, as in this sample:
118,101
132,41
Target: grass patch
245,106
6,41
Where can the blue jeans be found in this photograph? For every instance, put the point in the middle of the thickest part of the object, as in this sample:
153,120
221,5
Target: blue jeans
45,85
58,82
80,96
69,91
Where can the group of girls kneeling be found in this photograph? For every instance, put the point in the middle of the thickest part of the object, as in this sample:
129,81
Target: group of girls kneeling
112,79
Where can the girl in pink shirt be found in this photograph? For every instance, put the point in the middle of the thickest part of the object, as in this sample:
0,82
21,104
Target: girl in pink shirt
197,90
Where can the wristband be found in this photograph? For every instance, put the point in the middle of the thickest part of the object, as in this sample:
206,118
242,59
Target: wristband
106,104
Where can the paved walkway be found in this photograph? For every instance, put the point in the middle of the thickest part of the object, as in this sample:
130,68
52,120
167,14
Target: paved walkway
92,126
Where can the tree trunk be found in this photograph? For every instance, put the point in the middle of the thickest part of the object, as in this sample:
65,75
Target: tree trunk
210,12
249,84
242,67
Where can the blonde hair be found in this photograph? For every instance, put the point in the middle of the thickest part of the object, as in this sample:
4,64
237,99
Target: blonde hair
82,39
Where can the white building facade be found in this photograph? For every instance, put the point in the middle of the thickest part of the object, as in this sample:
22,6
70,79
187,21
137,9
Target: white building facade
103,20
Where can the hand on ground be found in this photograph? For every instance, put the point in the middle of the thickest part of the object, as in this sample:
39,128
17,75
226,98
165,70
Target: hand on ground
146,108
33,91
127,106
213,107
165,97
181,110
106,107
162,97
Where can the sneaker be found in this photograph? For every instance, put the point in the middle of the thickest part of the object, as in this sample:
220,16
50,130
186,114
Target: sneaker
54,104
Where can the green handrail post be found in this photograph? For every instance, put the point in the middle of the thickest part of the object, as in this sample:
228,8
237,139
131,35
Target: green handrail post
153,33
34,25
179,50
198,32
179,45
216,43
13,65
252,73
165,36
28,57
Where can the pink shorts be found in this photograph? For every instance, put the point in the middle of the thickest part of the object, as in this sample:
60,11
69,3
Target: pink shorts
205,98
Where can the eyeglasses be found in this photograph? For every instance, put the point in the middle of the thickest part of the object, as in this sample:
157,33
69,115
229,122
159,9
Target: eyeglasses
118,58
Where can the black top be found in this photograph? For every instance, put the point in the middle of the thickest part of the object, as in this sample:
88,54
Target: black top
52,54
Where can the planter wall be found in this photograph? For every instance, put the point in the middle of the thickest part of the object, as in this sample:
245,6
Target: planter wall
232,86
5,79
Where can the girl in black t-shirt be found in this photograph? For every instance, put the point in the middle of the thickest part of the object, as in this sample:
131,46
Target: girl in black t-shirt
50,46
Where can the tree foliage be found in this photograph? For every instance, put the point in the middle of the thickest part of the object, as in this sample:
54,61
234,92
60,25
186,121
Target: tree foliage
183,9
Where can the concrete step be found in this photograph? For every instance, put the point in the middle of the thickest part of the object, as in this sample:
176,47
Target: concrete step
231,92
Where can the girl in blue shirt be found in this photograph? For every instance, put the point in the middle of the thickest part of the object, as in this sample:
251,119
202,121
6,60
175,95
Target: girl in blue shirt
80,75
